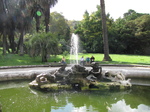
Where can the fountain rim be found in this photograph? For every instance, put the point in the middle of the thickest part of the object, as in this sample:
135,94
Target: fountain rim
59,65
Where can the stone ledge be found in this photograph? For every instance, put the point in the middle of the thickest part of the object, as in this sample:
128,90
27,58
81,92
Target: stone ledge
23,66
60,64
124,65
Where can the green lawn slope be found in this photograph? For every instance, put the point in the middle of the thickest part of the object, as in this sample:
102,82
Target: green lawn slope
15,60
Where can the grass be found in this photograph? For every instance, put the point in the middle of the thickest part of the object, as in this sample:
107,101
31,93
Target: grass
121,59
15,60
130,59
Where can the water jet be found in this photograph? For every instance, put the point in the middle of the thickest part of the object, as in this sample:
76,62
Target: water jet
74,46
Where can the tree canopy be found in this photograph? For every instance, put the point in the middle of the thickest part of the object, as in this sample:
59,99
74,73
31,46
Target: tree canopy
127,35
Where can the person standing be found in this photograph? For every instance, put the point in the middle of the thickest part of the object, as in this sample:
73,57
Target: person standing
87,60
82,61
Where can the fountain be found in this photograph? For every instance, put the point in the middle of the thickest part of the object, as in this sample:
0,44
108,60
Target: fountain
79,78
74,49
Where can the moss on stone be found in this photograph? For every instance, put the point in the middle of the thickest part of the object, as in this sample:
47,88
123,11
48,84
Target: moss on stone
97,86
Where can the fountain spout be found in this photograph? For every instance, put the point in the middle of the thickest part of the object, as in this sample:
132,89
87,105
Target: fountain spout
74,49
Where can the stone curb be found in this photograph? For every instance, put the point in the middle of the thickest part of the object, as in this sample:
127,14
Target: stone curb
30,74
24,66
125,65
59,65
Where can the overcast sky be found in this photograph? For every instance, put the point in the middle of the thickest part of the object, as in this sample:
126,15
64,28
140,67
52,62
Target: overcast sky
74,9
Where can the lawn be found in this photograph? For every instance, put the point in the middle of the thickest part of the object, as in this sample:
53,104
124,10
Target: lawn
121,59
14,59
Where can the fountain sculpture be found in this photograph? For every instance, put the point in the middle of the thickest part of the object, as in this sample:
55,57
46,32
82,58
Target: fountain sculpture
79,78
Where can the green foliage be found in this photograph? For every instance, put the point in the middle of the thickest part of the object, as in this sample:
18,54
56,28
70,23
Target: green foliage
73,25
84,51
127,35
65,53
60,27
90,31
132,35
43,44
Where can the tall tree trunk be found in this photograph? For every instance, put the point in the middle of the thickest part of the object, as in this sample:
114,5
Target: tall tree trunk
37,23
47,16
44,55
21,43
4,39
104,31
7,46
11,41
18,46
3,16
11,35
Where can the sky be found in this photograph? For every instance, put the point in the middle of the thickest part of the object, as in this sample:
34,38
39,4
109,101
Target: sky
74,9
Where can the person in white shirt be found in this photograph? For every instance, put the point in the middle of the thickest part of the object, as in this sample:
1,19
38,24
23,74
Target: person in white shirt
82,61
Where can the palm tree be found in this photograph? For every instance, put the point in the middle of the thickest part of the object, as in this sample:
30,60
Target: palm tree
3,18
21,18
34,13
43,44
47,4
13,17
23,23
7,24
105,36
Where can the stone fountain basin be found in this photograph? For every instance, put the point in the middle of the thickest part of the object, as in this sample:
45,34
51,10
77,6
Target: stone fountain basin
138,72
22,73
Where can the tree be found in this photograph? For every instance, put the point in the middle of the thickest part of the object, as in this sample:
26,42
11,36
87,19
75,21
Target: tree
47,4
37,12
60,27
105,36
90,31
16,16
23,23
43,44
131,15
73,25
128,33
3,15
142,33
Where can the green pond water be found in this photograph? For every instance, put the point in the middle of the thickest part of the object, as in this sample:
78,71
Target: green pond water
18,97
